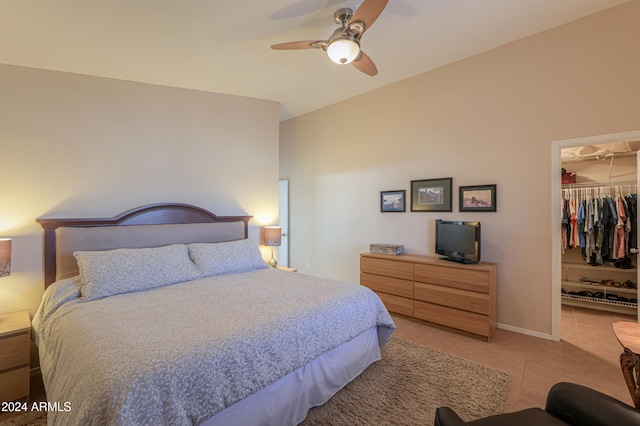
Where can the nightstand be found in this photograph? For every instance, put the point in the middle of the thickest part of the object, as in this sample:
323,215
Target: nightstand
15,344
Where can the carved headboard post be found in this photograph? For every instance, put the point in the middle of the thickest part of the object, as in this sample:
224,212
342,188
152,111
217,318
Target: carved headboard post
49,254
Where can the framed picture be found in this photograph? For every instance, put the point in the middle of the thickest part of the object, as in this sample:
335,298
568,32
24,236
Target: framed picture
393,201
431,195
479,198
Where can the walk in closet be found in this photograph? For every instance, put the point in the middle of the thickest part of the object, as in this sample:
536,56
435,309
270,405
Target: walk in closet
599,227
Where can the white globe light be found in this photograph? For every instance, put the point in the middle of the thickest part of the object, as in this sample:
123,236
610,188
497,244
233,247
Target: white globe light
343,50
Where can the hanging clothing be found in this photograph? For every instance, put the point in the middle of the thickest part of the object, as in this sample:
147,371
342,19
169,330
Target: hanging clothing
581,224
601,222
620,227
632,205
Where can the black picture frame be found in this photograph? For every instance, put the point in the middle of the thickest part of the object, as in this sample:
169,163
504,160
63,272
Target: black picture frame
393,201
431,195
478,198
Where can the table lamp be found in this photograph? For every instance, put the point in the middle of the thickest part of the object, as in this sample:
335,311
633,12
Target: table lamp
5,257
272,238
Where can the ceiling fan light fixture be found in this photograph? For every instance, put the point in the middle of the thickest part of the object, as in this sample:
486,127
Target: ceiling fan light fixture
343,46
343,50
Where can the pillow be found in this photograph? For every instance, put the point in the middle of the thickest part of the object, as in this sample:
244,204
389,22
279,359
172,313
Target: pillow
110,272
226,258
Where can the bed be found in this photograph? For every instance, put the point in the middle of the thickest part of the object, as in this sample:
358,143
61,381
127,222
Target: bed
167,314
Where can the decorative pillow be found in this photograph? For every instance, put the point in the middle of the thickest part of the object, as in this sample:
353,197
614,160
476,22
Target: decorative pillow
110,272
227,257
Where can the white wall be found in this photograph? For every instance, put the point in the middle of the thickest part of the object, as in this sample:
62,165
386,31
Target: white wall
79,146
484,120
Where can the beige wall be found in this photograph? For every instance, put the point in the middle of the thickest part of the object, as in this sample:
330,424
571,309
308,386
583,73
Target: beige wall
487,119
78,146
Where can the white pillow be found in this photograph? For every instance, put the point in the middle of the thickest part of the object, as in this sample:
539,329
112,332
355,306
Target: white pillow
227,257
109,272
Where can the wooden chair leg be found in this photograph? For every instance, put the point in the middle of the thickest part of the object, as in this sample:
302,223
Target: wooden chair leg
630,364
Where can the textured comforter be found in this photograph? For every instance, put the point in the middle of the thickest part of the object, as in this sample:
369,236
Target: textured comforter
179,354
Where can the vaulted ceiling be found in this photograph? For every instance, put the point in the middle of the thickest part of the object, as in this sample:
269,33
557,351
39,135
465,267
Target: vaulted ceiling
223,46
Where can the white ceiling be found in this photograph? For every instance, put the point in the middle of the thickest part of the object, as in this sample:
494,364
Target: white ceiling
223,45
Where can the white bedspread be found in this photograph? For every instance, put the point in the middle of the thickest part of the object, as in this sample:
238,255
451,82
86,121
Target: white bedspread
179,354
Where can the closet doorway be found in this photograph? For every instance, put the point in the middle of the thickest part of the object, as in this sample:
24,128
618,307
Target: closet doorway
606,169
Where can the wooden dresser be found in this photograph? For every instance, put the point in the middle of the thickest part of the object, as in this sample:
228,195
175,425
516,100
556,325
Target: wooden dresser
450,294
15,338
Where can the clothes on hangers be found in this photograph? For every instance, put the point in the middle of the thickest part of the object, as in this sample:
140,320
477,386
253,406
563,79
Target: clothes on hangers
602,223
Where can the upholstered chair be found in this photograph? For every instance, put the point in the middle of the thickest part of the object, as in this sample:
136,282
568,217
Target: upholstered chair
567,404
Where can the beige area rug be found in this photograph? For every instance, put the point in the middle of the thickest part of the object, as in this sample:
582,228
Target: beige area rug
404,388
407,385
33,418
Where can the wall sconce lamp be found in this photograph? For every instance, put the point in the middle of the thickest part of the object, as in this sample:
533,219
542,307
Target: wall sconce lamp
5,257
272,238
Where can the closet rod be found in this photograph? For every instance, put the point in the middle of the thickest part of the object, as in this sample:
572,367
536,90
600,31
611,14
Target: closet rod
599,184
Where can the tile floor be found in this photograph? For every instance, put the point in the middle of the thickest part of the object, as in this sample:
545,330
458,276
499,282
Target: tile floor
588,354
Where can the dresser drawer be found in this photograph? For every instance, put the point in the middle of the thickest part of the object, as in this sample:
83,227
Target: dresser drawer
14,351
388,285
14,384
453,297
463,278
397,304
454,318
388,268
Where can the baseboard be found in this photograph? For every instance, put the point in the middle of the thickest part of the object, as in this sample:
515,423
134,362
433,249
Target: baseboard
525,331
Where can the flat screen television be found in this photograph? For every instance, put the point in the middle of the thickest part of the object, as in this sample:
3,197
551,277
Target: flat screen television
458,241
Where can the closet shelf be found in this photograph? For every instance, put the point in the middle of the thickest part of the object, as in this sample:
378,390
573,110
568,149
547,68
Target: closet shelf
588,267
600,301
599,184
598,157
602,288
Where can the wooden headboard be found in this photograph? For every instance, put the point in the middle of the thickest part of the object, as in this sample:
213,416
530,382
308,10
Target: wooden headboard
154,214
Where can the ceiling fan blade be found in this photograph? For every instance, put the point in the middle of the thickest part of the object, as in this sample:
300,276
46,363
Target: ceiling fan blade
365,64
299,45
367,13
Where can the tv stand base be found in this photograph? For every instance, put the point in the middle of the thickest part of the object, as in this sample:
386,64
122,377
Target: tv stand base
463,261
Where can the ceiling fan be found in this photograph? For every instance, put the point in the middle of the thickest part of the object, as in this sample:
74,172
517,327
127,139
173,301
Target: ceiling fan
343,46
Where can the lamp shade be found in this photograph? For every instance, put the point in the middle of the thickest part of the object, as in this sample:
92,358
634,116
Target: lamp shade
272,236
5,257
343,50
